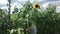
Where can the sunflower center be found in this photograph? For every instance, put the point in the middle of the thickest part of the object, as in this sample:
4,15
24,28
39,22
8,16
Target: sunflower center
36,6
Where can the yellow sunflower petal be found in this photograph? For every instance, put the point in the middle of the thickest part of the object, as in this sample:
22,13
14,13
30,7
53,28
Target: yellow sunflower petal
36,6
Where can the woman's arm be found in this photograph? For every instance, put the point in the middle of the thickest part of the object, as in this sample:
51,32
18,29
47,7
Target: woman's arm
28,29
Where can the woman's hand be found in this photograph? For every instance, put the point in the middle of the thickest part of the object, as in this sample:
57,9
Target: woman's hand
28,29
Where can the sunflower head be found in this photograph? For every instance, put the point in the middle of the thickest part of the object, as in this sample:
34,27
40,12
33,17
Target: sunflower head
36,6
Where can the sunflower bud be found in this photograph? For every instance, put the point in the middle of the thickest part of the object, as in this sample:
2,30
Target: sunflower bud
8,30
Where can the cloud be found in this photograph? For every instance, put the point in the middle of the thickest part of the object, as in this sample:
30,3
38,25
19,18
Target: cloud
13,5
51,3
45,4
4,7
18,5
22,0
42,0
3,1
58,9
57,3
33,1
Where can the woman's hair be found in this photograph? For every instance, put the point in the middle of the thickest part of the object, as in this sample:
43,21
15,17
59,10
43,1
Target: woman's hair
30,24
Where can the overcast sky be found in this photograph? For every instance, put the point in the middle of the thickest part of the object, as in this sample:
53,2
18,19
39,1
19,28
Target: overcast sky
43,3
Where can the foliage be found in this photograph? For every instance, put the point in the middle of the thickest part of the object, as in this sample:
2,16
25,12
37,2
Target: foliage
47,21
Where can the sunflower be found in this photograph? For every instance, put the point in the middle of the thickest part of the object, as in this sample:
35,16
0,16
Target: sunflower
36,6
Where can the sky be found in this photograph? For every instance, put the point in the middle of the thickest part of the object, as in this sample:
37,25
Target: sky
18,3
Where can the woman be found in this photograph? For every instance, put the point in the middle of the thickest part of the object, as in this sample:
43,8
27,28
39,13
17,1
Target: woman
31,29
